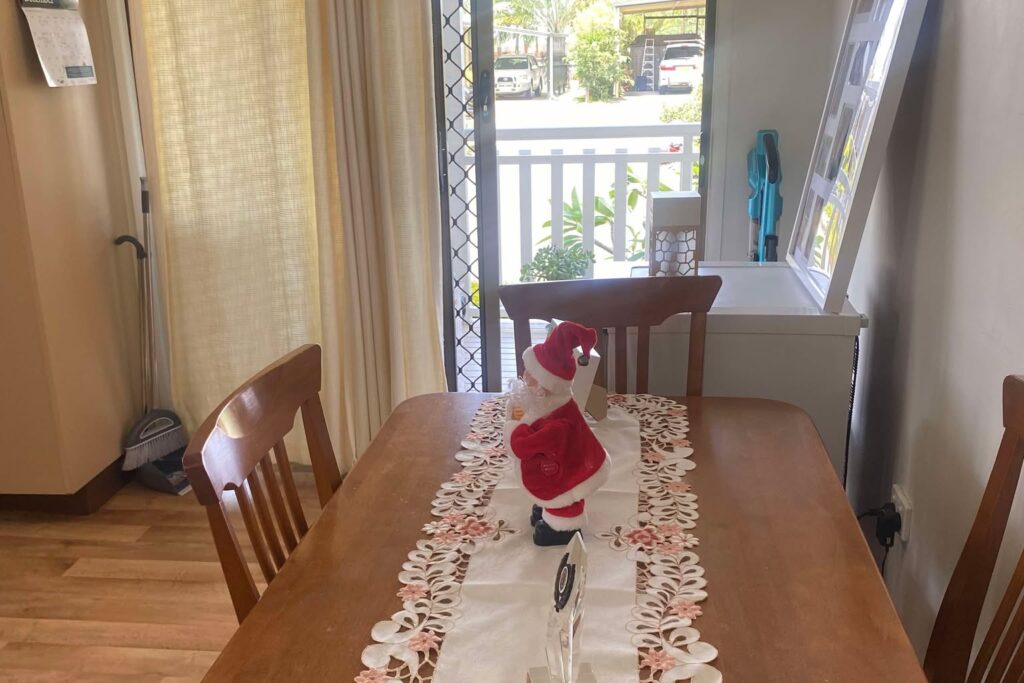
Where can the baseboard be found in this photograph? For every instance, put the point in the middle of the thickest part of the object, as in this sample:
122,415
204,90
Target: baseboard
84,501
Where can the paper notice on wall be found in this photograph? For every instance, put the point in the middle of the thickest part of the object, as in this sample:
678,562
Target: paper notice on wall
61,41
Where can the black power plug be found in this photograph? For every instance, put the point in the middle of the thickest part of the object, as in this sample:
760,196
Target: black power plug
888,523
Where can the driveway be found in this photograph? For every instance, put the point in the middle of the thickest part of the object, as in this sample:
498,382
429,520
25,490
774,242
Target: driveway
567,110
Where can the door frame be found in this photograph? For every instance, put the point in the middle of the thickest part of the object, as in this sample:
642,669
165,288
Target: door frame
486,234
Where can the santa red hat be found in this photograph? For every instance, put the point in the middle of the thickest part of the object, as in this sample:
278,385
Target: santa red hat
552,362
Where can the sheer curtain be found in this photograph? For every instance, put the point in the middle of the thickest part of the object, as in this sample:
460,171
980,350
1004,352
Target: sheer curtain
284,214
373,112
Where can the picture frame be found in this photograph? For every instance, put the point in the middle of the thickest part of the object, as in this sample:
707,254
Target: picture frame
849,151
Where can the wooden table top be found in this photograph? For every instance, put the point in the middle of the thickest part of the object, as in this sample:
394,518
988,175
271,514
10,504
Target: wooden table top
794,594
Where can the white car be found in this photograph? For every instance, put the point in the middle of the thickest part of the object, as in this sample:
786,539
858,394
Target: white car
518,75
682,66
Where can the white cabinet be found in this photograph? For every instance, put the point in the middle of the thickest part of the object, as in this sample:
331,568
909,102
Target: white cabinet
767,338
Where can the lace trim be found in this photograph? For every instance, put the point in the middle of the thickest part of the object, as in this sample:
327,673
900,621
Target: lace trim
669,579
670,583
406,646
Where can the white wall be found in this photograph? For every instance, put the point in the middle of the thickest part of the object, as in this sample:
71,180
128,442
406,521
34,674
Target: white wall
773,64
940,275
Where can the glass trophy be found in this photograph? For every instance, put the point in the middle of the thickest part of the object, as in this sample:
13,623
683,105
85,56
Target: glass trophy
566,618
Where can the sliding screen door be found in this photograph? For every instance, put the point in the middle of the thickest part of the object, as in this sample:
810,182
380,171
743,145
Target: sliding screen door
464,59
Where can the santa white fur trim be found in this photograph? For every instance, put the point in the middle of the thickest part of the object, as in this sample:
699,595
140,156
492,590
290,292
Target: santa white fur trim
547,379
564,523
576,493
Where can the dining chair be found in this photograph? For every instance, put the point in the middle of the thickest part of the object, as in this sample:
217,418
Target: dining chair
999,658
230,451
618,304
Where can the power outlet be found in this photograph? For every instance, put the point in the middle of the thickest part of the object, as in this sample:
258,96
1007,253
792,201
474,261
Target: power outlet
903,506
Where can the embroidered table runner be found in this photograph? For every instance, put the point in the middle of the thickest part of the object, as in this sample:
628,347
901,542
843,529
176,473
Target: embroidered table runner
476,592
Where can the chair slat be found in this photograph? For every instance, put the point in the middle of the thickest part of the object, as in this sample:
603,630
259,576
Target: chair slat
290,491
521,332
643,359
998,625
601,379
695,366
1011,640
259,497
1015,672
621,337
284,524
252,527
321,452
241,586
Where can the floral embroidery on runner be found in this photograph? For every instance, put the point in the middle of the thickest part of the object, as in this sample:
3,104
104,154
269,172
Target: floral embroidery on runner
670,582
406,646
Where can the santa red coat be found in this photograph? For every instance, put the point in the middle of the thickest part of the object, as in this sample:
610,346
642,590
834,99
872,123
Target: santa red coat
560,461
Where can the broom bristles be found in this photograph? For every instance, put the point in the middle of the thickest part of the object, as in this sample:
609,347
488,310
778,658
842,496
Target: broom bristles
155,448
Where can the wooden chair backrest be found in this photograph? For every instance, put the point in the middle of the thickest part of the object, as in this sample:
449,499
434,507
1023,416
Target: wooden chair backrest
1000,658
231,451
618,304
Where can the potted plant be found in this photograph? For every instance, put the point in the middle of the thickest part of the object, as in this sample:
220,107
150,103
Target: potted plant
557,263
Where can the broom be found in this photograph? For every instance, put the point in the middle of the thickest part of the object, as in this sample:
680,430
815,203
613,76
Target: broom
158,433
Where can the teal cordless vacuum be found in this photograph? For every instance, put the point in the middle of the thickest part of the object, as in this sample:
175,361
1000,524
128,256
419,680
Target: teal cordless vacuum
764,206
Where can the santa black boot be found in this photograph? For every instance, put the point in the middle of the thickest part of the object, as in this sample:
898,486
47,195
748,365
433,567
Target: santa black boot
535,514
545,536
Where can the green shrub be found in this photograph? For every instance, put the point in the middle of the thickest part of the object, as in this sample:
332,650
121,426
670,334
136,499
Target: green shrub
555,263
688,112
599,61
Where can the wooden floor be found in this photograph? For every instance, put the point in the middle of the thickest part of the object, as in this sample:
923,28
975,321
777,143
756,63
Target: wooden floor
131,593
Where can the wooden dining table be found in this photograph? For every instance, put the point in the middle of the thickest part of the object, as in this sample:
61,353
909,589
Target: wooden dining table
794,593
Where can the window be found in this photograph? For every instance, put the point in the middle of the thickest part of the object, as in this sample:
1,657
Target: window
511,63
683,52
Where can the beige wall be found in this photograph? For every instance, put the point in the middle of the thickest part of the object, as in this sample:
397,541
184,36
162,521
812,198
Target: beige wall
773,64
941,277
64,349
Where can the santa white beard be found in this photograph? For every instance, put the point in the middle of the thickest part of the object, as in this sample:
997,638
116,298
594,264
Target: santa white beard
535,407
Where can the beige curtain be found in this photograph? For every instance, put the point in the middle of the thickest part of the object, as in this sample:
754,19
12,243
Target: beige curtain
294,201
377,184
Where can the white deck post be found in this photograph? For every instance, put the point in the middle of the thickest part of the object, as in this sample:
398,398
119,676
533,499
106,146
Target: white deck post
525,209
619,226
587,201
557,198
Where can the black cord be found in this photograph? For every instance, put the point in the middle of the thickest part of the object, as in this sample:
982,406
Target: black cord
880,514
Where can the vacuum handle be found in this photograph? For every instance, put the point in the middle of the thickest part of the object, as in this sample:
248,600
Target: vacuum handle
140,251
771,155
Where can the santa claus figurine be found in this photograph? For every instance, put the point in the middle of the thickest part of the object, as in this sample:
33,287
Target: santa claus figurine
557,457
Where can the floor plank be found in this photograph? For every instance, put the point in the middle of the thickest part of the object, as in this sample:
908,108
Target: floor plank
31,676
149,570
206,637
132,593
99,659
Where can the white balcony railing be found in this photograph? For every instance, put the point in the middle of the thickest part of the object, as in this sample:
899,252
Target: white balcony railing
576,185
